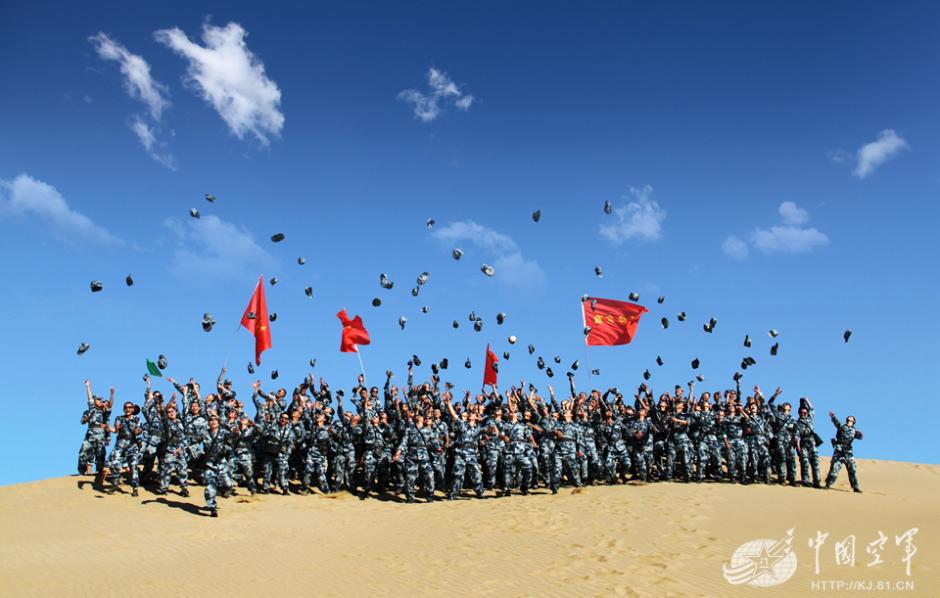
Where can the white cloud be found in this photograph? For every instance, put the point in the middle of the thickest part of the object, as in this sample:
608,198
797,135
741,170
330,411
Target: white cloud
839,155
791,236
874,154
428,106
793,214
25,195
230,78
735,248
512,268
641,218
210,248
140,85
149,140
788,239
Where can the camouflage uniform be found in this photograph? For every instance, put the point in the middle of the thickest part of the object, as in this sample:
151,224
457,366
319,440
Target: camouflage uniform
617,453
318,447
216,448
95,445
173,459
493,448
282,439
680,446
467,442
152,440
243,460
126,452
733,432
809,452
517,464
784,450
842,453
568,451
756,434
709,450
641,449
414,445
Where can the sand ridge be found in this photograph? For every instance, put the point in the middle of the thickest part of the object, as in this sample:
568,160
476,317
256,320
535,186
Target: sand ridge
63,538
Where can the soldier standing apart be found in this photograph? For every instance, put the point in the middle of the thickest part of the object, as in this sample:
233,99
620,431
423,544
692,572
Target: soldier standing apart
842,451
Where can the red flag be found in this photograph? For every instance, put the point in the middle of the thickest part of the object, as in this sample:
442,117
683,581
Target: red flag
258,324
490,369
612,322
354,333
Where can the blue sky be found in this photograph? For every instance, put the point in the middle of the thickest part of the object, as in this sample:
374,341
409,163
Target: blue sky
772,166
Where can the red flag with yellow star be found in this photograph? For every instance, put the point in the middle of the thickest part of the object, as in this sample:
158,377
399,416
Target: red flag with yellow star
256,321
610,322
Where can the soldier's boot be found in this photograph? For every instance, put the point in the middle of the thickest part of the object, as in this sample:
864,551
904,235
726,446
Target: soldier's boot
305,490
184,492
134,491
479,492
857,489
214,513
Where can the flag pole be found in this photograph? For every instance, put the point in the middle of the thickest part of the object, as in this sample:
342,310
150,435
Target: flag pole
586,358
361,367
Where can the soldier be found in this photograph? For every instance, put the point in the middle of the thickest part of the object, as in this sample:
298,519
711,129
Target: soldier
278,441
732,427
415,445
808,442
550,465
318,447
195,424
173,459
493,446
679,444
785,437
373,445
591,467
216,442
517,465
242,448
756,430
842,451
152,441
660,421
95,445
126,451
640,434
466,446
569,451
705,421
618,455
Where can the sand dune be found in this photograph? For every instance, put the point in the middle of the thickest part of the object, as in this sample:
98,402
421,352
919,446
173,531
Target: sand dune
62,538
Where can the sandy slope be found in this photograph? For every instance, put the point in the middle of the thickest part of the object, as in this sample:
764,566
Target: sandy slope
645,540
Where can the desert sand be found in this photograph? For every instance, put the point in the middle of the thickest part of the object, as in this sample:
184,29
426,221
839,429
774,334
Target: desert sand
63,538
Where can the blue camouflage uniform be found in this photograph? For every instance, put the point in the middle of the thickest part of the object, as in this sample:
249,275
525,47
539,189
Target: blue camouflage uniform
95,445
414,445
216,448
732,429
173,460
808,450
842,453
709,449
466,460
126,451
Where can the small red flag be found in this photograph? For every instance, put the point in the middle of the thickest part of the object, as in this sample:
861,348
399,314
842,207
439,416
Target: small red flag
612,322
490,369
354,333
258,324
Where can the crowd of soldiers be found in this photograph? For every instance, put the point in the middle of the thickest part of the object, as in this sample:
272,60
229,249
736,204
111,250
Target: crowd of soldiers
422,435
